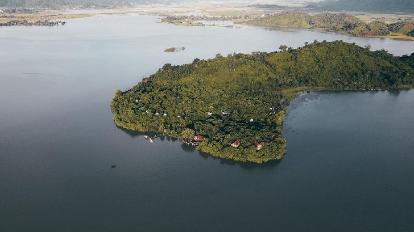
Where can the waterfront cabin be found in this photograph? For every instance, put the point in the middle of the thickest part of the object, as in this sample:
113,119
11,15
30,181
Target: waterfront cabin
236,144
198,138
259,146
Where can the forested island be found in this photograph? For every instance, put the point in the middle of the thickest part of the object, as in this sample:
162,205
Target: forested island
233,107
175,49
337,22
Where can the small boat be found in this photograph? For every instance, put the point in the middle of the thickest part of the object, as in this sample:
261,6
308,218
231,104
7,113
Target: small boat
149,139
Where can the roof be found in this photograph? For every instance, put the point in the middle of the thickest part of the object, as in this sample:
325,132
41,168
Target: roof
198,138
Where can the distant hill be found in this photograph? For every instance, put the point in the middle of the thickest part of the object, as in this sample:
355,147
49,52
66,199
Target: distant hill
336,22
406,6
69,3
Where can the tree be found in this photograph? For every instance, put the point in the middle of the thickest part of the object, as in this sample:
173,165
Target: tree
187,134
283,47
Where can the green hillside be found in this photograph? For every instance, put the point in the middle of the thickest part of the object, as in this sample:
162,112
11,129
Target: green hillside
233,107
335,22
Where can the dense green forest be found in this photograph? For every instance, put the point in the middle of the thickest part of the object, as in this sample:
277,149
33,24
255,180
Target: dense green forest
337,22
368,5
233,107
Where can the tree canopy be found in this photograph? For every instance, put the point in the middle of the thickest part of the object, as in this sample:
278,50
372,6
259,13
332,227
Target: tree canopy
242,98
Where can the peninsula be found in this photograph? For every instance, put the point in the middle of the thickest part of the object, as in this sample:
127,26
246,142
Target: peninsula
337,22
233,107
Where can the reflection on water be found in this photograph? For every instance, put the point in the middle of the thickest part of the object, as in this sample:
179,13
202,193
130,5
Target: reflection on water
159,139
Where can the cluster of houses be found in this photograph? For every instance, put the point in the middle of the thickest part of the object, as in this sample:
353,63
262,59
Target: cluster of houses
200,138
191,18
18,10
35,23
236,144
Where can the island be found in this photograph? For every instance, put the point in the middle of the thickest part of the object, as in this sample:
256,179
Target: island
233,107
175,49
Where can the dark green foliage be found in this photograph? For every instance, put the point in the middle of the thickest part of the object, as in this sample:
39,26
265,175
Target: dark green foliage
377,28
408,59
244,97
285,19
339,23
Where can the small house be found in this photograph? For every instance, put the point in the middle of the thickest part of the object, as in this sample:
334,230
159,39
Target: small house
236,144
259,146
198,138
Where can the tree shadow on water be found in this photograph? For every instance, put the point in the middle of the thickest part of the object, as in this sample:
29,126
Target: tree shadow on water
244,165
191,149
131,133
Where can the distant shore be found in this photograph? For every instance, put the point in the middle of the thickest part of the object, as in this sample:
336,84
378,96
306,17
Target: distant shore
206,14
32,17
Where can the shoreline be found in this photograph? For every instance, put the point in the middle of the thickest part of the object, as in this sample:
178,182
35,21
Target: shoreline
218,124
291,95
214,11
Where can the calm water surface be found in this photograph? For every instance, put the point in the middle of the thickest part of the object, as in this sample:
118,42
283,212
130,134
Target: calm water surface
350,156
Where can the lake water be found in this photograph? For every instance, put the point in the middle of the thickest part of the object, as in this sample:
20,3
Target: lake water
349,165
